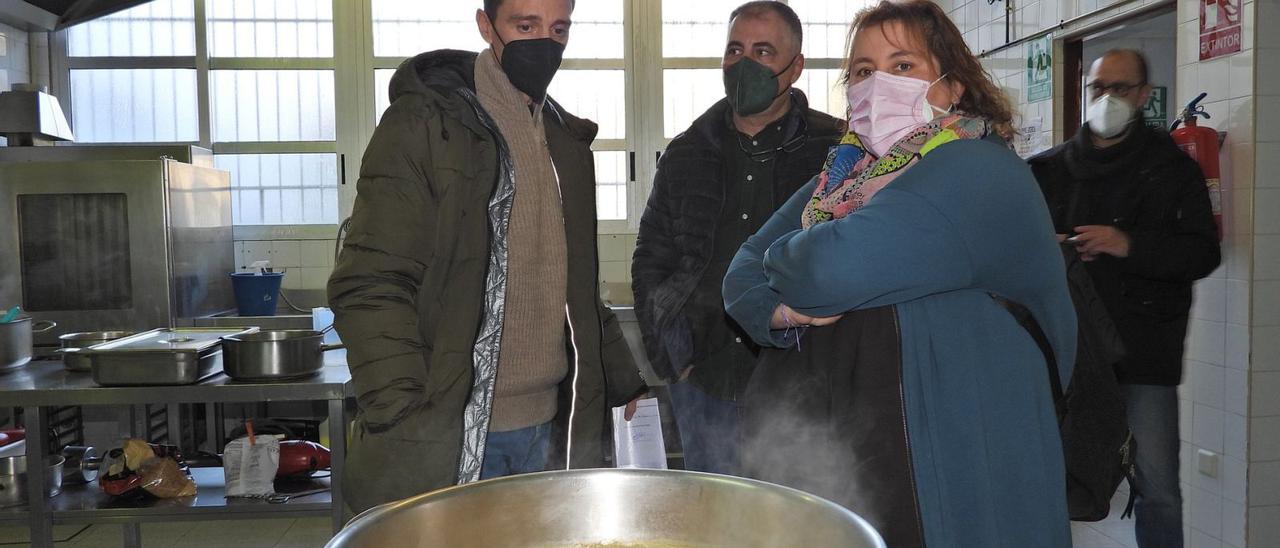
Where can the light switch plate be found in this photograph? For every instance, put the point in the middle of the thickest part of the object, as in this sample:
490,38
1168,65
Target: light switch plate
1208,462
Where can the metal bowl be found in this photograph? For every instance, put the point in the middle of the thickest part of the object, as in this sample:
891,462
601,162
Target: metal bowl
13,479
72,344
610,507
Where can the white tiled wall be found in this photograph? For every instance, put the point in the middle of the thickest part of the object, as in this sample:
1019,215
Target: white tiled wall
615,267
1229,398
306,263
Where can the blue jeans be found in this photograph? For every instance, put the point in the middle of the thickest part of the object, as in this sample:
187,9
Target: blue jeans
1153,417
708,429
516,452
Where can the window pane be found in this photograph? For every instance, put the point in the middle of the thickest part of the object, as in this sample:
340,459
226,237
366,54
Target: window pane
272,105
826,25
156,29
695,29
402,28
270,28
687,93
598,95
290,189
381,91
597,30
134,105
824,91
611,185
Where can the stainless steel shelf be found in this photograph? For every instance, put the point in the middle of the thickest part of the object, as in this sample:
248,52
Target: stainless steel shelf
88,504
48,383
42,385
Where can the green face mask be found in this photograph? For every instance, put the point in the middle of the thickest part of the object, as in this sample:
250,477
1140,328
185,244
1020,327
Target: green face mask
751,87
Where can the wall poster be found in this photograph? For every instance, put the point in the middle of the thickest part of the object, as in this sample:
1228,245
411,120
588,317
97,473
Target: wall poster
1039,69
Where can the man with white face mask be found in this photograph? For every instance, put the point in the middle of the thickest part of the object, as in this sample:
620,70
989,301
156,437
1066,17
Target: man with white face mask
1138,212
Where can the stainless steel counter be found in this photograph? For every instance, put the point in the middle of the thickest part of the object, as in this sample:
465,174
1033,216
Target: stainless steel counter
47,383
44,384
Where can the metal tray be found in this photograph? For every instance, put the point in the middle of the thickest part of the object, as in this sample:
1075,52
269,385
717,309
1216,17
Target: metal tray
183,355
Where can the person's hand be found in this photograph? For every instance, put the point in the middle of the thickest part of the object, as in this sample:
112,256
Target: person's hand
1094,240
684,374
785,317
1063,237
630,411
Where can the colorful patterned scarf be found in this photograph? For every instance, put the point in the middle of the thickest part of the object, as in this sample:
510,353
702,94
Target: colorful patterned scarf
851,176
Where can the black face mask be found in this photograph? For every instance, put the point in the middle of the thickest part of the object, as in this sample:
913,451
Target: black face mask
531,64
751,87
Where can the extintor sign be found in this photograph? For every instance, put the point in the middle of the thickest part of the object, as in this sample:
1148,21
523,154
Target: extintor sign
1220,29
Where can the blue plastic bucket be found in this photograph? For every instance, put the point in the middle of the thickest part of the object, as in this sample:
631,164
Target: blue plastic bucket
256,294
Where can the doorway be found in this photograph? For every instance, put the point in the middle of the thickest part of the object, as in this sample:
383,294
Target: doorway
1153,34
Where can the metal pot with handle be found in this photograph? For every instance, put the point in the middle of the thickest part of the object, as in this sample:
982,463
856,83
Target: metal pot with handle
285,354
15,341
611,507
13,479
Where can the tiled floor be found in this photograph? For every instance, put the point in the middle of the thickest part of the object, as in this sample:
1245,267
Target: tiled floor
314,532
1112,532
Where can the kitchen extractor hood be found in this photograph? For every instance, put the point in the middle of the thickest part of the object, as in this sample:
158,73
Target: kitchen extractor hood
29,116
44,15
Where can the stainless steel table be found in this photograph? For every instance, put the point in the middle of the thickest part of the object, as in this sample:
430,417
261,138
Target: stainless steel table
44,384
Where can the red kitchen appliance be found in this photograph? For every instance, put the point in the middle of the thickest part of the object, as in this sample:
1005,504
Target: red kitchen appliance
301,458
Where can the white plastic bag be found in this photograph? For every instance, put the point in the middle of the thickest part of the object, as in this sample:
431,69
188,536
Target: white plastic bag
250,468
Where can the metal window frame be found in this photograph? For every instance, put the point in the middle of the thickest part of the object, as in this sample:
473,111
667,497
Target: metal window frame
648,39
354,64
62,63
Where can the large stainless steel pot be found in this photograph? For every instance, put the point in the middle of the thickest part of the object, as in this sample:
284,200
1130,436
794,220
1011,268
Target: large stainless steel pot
15,341
609,507
274,355
13,479
73,359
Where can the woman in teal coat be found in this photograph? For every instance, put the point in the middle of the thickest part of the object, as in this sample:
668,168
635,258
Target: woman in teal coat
899,387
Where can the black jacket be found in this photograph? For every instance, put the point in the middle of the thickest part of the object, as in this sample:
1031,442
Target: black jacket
678,228
1156,194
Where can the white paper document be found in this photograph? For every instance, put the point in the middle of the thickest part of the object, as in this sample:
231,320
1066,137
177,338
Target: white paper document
638,443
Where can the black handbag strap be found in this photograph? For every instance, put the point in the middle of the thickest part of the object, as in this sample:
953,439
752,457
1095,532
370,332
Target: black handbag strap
1028,322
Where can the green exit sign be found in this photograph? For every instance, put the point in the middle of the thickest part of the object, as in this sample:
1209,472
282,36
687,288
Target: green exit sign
1156,111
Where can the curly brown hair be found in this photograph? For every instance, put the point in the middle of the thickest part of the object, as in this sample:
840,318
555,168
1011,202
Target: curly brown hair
928,24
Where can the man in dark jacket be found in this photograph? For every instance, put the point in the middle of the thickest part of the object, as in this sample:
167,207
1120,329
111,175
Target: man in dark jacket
1139,213
466,290
716,184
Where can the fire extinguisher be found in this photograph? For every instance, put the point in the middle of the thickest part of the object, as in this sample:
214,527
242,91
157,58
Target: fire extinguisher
1201,144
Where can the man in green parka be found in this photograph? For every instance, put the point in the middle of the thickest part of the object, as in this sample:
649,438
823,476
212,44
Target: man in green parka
466,291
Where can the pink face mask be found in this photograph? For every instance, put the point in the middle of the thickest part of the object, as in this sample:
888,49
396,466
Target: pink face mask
885,108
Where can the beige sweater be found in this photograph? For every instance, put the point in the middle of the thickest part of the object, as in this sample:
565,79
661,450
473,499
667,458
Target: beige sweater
532,359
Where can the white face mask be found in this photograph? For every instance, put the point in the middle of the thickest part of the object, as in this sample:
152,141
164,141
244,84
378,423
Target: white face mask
1109,116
